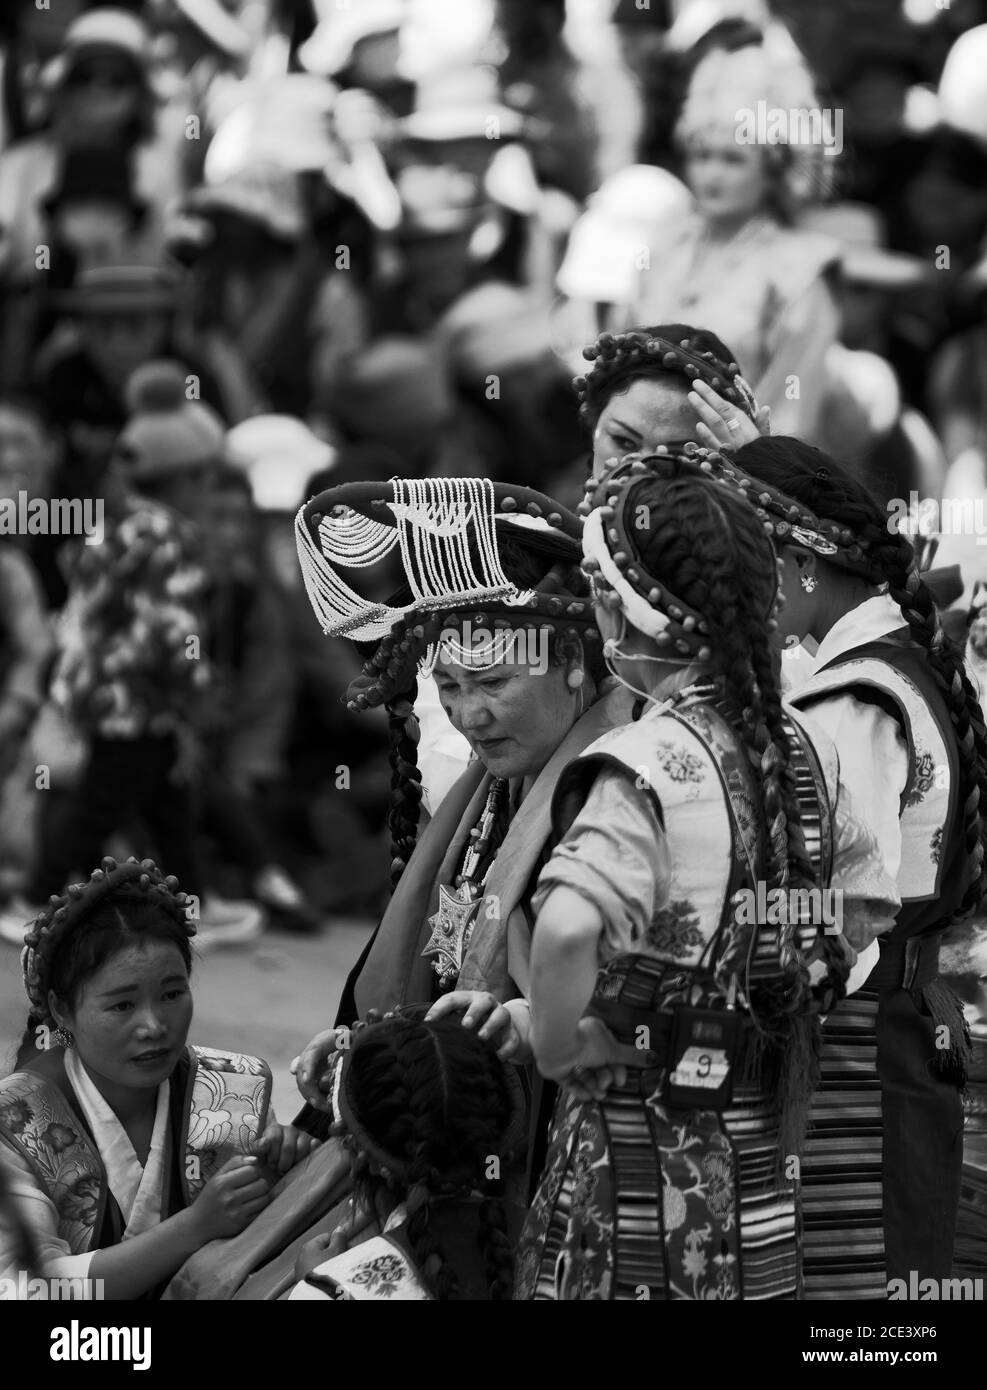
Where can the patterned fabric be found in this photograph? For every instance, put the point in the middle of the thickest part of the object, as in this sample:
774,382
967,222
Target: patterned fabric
642,1201
38,1123
226,1105
125,666
378,1269
639,1199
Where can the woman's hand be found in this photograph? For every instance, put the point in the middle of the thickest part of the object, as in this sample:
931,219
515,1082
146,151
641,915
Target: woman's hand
493,1021
231,1199
722,425
313,1253
282,1146
600,1061
312,1070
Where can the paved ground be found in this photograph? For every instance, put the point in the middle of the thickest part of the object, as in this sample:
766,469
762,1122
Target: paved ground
267,998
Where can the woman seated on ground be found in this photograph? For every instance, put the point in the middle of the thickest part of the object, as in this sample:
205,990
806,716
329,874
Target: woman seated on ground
105,1084
430,1114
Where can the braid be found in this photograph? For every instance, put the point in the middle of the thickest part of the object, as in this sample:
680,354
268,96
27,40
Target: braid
406,782
431,1105
673,349
868,546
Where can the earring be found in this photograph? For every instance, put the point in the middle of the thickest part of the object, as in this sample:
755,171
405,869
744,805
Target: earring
61,1037
575,678
808,582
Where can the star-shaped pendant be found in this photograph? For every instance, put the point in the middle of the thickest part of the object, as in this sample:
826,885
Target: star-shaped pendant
451,928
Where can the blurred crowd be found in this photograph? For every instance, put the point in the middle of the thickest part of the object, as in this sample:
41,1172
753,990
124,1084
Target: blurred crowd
252,248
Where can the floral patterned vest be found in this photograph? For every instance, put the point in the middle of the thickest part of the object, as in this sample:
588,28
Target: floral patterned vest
223,1099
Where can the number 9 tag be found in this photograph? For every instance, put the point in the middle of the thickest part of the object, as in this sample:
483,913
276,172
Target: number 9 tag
702,1054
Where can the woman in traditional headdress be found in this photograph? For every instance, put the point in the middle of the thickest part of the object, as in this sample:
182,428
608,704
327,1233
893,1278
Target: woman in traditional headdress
497,606
737,264
123,1149
881,1173
708,892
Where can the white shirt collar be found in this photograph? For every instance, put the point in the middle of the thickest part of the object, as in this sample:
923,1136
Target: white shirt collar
873,618
137,1188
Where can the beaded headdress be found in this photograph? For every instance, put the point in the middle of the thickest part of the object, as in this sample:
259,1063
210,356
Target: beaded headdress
609,551
685,357
448,534
64,912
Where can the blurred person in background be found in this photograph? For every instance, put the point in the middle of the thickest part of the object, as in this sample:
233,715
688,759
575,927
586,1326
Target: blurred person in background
101,95
132,670
737,265
251,699
26,462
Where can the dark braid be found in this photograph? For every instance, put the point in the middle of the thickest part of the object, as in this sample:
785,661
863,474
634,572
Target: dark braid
77,932
706,544
431,1105
813,479
406,782
671,351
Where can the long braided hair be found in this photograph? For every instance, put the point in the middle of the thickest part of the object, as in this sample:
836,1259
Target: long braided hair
881,556
672,352
79,931
428,1106
704,542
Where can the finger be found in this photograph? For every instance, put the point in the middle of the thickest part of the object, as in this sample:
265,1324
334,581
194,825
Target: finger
450,1003
712,400
245,1172
288,1156
256,1189
293,1068
508,1048
704,435
252,1209
763,419
499,1019
626,1054
481,1007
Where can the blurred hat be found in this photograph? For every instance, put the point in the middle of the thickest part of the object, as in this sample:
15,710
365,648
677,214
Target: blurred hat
493,328
279,454
461,105
330,47
963,85
395,387
213,19
629,211
263,193
108,29
282,121
166,432
864,258
119,289
862,401
697,18
95,176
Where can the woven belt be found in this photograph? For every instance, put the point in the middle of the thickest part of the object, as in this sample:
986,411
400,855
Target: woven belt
910,964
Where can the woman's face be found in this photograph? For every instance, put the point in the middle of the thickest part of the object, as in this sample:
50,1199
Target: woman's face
100,96
119,343
515,714
729,181
652,411
26,453
132,1016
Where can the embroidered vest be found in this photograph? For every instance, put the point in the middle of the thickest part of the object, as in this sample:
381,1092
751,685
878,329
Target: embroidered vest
224,1104
696,771
895,674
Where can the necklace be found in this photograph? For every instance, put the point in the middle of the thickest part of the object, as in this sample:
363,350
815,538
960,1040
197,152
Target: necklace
452,926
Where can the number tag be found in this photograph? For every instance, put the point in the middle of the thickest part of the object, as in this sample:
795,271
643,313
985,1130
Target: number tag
702,1055
698,1067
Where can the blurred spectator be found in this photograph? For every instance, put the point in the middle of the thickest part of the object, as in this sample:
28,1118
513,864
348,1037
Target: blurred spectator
132,667
737,266
101,96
